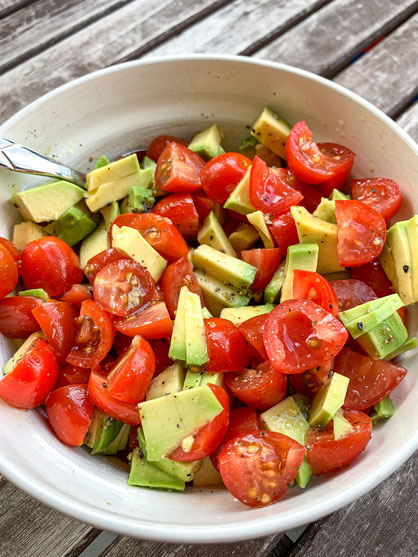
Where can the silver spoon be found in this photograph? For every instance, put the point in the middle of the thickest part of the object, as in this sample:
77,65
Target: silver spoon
19,158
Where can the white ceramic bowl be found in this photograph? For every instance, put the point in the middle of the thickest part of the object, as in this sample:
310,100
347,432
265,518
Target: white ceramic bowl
121,108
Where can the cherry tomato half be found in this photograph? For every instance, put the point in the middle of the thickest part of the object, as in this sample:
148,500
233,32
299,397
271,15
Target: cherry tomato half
101,260
162,361
227,349
176,276
265,261
181,210
159,143
343,159
71,375
203,204
58,323
151,322
374,276
311,197
284,232
77,294
178,169
12,249
351,293
382,194
309,382
16,319
253,330
312,286
9,273
221,174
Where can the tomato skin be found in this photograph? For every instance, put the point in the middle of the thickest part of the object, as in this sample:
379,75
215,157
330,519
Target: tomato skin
309,382
311,197
181,210
9,273
33,377
351,293
69,411
178,169
253,330
361,233
325,455
345,159
284,231
94,336
99,393
227,349
209,437
259,388
16,319
300,335
221,174
176,276
370,380
71,375
12,249
308,285
382,194
266,262
51,264
203,204
257,467
272,191
151,322
77,294
162,361
57,321
101,260
159,143
374,276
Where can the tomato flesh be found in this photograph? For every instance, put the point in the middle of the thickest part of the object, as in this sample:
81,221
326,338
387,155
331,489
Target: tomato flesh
221,175
203,204
162,361
227,349
71,375
284,231
265,261
58,323
77,294
181,210
159,143
382,194
312,286
12,249
16,318
101,260
178,169
374,276
352,293
342,160
9,273
151,322
253,330
309,382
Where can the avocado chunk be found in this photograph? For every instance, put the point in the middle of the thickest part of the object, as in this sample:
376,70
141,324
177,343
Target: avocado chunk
218,295
212,234
194,330
149,163
239,198
130,242
272,291
200,378
207,474
73,225
178,337
94,243
302,257
35,293
167,382
168,420
248,145
313,230
27,232
111,191
138,200
120,442
207,143
304,474
342,426
258,220
109,213
272,131
244,237
389,335
326,211
144,474
337,194
102,432
47,202
112,172
18,355
410,344
287,418
231,271
239,315
102,161
328,400
383,410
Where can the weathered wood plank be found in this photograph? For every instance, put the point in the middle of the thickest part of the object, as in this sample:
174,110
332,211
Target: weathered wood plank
409,121
126,32
9,6
382,522
387,74
44,22
30,529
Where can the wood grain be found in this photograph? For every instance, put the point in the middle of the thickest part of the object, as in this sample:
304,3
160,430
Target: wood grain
9,6
409,121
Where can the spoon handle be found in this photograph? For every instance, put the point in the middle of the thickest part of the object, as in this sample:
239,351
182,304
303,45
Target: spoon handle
19,158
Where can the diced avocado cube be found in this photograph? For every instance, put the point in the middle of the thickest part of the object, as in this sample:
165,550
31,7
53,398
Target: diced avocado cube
286,418
47,202
111,191
18,355
206,474
410,344
313,230
258,220
109,213
102,161
73,225
342,426
302,257
199,378
328,400
247,146
383,410
388,336
272,131
273,289
212,234
35,292
177,349
326,211
166,421
218,295
130,242
169,381
304,474
112,172
102,432
239,315
239,198
337,194
194,328
120,443
304,404
27,232
148,163
93,244
138,200
144,474
207,143
244,237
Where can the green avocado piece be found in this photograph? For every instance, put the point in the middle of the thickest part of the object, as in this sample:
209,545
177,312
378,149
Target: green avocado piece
112,172
244,237
239,315
47,202
207,474
383,410
304,404
328,400
177,349
194,330
109,213
120,443
35,293
168,420
167,382
304,474
144,474
73,225
148,163
326,211
219,295
342,426
102,432
26,232
389,335
258,220
102,161
302,257
287,418
239,198
272,291
18,355
272,131
212,234
195,379
94,243
138,200
247,146
207,143
410,344
337,194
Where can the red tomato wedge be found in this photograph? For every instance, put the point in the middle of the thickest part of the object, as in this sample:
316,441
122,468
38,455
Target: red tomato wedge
312,286
178,169
123,287
33,377
257,467
374,276
221,174
69,411
382,194
284,232
325,455
309,382
101,260
71,375
51,264
151,322
162,361
227,349
12,249
94,337
352,293
58,323
203,204
311,197
9,273
159,143
253,330
361,233
272,190
77,294
300,335
181,210
210,436
343,160
158,231
370,380
259,388
265,261
16,319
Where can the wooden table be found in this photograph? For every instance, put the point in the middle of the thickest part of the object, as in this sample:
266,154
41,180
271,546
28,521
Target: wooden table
46,43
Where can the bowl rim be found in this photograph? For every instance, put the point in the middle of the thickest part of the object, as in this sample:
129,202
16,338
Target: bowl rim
220,533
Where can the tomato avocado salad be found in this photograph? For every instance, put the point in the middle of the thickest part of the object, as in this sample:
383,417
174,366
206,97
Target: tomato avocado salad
212,317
